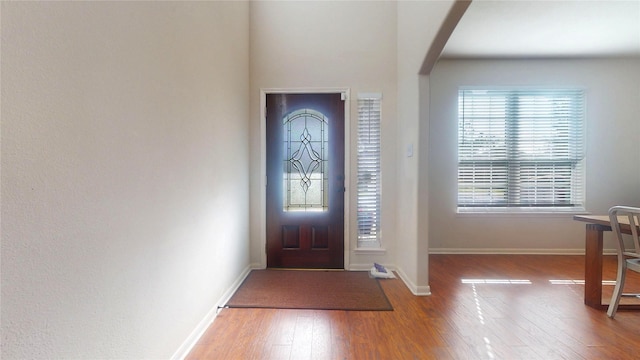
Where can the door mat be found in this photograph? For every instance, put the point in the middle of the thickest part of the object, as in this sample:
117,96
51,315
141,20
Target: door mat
319,290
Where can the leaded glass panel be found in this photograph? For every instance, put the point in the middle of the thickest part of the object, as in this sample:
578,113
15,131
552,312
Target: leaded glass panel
305,163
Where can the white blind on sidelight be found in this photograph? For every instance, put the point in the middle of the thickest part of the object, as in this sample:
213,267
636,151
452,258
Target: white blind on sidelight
521,148
368,203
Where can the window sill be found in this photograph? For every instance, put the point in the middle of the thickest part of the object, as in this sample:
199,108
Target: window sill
523,211
370,251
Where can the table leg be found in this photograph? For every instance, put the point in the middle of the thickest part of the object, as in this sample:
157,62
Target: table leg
593,266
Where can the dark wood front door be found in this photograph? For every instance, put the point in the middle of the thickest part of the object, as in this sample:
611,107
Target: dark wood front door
305,181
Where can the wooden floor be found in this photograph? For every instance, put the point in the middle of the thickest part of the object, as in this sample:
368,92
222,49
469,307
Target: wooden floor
481,307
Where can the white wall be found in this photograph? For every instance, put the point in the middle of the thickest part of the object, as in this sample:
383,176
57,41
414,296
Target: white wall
613,143
124,173
320,44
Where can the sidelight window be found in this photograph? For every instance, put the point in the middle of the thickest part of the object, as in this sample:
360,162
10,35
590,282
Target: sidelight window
369,114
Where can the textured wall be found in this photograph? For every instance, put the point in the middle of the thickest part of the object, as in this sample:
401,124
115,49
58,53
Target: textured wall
124,173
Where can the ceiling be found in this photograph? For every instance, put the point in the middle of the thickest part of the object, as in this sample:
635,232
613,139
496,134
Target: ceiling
546,29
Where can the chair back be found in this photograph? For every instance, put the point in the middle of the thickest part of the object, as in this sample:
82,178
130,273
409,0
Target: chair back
621,217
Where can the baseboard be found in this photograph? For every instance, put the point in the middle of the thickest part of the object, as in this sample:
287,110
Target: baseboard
365,267
415,289
426,290
514,251
204,324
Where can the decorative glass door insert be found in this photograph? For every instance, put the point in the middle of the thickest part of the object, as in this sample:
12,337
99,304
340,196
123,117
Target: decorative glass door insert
305,163
305,149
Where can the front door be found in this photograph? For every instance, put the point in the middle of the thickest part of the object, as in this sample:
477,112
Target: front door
305,181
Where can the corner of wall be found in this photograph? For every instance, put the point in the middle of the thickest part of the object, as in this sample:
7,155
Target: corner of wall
424,290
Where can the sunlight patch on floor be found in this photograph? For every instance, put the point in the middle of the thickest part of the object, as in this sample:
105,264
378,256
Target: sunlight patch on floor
566,282
476,298
578,282
496,281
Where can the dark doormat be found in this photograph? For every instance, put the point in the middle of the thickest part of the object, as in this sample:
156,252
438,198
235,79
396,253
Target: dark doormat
320,290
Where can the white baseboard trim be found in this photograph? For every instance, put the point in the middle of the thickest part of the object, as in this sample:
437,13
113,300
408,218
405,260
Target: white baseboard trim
365,267
204,324
514,251
415,289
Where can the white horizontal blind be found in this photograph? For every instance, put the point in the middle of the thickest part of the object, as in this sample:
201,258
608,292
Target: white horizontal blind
368,203
520,148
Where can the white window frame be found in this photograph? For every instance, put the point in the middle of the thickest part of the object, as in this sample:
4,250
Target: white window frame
368,190
521,150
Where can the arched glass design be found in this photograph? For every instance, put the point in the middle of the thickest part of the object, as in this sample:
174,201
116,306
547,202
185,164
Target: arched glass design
305,163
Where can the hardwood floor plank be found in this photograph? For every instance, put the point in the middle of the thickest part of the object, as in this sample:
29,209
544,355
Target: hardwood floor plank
302,342
278,352
321,337
481,307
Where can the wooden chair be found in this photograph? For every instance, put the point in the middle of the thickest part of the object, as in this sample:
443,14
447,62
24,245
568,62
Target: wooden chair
628,253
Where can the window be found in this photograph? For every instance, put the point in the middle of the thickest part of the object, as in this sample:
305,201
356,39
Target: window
369,170
520,149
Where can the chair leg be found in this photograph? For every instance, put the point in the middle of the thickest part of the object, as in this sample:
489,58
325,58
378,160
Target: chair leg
617,291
